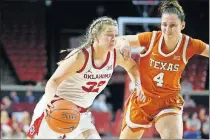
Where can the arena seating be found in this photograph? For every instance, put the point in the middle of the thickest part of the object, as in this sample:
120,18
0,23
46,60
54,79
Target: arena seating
196,72
24,39
102,121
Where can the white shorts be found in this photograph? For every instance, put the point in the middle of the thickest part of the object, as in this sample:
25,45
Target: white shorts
39,128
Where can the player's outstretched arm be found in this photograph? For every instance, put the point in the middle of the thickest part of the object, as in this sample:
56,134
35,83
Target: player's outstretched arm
131,39
131,67
124,43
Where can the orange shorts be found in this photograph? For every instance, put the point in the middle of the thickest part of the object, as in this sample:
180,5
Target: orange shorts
139,115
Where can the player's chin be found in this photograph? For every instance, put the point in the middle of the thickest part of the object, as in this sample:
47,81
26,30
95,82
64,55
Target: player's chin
111,47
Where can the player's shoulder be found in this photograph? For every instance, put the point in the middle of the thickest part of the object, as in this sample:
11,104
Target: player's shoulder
194,41
145,34
155,34
77,54
191,39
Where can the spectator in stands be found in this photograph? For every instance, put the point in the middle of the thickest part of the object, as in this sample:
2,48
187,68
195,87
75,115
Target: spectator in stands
19,134
203,118
17,129
188,101
29,97
14,97
186,86
6,125
15,123
26,121
205,129
195,122
193,127
6,104
185,118
202,115
100,104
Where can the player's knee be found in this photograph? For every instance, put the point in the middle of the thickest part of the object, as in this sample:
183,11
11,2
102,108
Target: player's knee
127,133
169,134
91,134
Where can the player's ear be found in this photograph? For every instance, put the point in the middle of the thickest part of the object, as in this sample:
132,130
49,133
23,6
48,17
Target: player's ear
183,25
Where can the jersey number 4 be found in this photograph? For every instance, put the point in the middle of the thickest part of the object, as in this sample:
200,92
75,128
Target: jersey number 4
159,79
93,86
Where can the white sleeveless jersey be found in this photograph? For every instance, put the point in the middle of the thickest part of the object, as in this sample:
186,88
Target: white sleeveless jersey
87,83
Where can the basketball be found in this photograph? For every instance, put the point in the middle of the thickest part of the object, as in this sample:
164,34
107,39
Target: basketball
64,117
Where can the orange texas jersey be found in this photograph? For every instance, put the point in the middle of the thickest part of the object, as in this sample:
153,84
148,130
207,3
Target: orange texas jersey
160,69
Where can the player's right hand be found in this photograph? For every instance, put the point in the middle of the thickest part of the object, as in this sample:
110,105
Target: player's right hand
50,105
48,108
140,93
141,97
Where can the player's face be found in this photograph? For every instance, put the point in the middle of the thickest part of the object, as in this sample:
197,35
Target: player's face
171,25
107,38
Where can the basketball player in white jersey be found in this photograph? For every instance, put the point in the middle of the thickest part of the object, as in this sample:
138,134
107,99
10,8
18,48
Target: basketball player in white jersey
81,76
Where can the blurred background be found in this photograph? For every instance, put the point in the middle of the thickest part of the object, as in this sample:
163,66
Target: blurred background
33,32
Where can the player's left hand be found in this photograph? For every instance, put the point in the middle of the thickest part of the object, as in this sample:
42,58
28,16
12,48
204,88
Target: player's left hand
125,49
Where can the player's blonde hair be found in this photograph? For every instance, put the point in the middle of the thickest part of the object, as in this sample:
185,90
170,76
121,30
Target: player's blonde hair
172,7
95,28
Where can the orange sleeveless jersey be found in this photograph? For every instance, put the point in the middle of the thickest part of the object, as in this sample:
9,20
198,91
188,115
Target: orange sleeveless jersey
161,71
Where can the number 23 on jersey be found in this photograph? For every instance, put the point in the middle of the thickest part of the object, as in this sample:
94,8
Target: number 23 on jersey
93,86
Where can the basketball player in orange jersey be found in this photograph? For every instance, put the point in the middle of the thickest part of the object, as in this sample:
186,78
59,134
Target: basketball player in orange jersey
161,65
81,76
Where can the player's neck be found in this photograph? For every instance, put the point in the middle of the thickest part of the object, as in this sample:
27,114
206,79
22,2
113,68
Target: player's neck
99,53
171,43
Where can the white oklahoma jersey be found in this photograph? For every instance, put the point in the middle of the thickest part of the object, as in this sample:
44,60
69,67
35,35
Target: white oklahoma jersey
87,83
81,89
